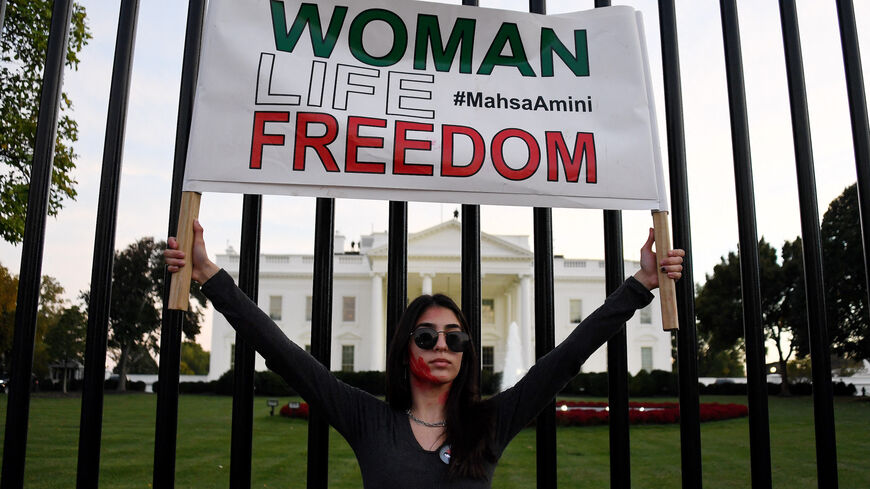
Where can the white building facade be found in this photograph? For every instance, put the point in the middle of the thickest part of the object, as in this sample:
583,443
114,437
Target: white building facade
507,292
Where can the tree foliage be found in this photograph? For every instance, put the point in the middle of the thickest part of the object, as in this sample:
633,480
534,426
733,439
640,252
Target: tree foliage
23,47
784,304
136,306
719,308
845,279
194,360
8,299
51,304
139,361
65,340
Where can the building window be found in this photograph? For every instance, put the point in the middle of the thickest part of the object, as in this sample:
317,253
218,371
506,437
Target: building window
487,354
347,358
646,361
576,310
308,348
275,307
487,311
348,309
646,315
308,308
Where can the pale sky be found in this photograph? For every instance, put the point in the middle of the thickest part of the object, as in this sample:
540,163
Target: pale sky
288,222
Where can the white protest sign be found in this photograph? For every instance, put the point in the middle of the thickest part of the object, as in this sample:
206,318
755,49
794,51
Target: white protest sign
424,101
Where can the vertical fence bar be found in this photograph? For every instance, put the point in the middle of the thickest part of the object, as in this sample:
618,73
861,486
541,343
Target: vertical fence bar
243,367
617,359
397,266
471,274
860,126
166,427
750,276
471,277
617,351
91,422
687,341
823,400
545,340
30,273
321,336
545,323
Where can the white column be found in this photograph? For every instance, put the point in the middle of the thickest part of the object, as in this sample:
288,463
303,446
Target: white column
526,319
508,309
427,283
377,328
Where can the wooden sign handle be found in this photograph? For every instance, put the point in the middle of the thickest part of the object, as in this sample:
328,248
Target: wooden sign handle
179,288
667,289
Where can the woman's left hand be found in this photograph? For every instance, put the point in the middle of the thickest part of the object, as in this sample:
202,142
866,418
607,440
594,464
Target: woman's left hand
648,274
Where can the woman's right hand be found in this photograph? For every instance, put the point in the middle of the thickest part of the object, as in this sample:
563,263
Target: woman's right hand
203,268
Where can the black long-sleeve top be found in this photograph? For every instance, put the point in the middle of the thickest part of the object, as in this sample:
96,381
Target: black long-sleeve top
388,453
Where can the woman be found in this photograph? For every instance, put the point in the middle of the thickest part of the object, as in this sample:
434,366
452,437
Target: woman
434,431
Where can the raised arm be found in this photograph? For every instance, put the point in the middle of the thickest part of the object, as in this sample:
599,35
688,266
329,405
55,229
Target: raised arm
343,405
520,404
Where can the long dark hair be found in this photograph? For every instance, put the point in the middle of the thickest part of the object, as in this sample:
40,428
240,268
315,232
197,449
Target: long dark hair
469,422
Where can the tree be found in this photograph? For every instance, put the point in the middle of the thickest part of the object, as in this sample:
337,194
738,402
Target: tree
65,340
8,300
783,303
50,305
139,361
719,308
720,321
844,275
23,47
136,307
194,360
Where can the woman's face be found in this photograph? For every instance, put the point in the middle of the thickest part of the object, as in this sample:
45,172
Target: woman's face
440,365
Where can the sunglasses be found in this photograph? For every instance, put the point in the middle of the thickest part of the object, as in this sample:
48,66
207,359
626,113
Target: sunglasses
426,338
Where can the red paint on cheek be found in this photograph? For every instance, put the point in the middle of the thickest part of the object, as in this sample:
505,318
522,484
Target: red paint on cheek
421,370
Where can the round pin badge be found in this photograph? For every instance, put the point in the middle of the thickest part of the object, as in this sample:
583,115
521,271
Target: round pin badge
444,454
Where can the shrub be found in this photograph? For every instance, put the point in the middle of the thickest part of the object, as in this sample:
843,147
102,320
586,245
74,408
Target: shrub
268,383
800,388
642,384
374,381
726,389
111,384
666,382
587,384
490,383
655,383
195,387
224,384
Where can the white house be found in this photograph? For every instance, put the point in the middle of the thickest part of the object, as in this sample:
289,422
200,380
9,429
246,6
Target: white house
507,291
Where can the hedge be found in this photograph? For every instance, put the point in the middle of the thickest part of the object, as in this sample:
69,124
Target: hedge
594,384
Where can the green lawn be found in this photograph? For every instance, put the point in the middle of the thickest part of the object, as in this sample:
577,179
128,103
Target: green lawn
280,447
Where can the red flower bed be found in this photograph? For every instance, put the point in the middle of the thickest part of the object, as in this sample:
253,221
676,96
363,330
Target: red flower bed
295,410
586,413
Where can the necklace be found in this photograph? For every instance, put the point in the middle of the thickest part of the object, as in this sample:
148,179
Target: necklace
437,424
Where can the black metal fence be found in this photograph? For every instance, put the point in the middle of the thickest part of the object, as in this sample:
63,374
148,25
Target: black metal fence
167,405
